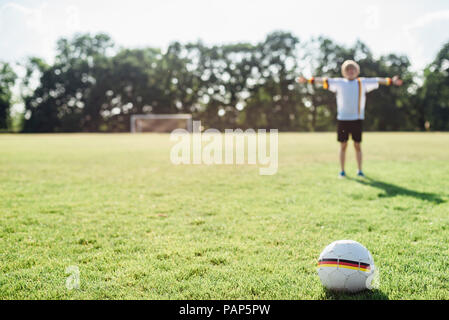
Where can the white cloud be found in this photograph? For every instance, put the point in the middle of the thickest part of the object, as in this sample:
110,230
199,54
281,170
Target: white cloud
427,19
423,42
25,31
33,17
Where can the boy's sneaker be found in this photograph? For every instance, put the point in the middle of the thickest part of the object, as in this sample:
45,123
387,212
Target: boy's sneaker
360,174
342,175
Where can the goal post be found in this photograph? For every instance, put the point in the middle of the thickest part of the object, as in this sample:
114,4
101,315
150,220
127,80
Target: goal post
160,122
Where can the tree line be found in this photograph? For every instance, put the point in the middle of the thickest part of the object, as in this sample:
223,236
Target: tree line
94,86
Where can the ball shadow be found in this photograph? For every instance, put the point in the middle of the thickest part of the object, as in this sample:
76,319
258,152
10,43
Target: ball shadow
374,294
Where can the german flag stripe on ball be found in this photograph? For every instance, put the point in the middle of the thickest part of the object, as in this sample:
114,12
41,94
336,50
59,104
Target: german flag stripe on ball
342,263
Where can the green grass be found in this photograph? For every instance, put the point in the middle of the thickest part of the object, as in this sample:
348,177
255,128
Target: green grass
138,227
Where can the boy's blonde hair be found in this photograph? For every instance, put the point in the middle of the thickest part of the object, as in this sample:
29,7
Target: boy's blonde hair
349,63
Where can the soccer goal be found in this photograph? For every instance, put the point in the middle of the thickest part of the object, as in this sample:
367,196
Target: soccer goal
160,122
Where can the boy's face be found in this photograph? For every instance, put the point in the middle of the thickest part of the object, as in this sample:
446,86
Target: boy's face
350,72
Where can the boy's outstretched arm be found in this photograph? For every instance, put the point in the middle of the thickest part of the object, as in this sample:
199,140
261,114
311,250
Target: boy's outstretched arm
315,80
318,80
389,81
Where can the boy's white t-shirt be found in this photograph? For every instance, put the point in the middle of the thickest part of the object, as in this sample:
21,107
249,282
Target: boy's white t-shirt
348,96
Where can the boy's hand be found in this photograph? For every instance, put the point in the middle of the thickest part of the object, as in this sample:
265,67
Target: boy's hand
301,79
396,81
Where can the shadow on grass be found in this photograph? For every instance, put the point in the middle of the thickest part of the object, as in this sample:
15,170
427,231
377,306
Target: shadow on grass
374,294
391,190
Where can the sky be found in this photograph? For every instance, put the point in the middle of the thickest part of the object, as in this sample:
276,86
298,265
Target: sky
415,28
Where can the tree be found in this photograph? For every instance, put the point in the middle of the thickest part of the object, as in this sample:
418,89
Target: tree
7,81
63,100
433,97
275,91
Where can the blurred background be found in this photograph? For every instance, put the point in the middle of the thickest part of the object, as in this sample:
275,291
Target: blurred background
87,66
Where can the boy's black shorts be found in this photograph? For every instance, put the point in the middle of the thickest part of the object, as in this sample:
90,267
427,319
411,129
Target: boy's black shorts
353,127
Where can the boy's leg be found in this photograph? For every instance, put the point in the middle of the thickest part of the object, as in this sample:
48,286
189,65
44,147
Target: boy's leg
343,147
357,137
358,154
342,137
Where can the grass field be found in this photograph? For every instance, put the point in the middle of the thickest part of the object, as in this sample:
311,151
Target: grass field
138,227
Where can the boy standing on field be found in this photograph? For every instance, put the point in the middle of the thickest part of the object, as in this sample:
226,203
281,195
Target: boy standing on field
351,97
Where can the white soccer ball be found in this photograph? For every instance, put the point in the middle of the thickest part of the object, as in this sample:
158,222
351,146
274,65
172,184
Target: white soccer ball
346,265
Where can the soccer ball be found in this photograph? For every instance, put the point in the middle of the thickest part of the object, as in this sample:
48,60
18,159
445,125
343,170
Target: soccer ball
347,266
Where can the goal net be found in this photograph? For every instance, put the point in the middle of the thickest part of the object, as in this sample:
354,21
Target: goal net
160,122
